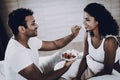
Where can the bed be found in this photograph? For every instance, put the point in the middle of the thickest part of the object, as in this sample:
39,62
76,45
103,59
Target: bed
48,59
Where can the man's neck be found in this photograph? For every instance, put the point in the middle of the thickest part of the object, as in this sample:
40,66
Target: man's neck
22,40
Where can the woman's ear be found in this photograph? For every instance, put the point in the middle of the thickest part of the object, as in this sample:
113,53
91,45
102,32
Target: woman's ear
21,29
97,22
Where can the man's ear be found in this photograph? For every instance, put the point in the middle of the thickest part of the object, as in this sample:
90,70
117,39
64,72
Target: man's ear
21,29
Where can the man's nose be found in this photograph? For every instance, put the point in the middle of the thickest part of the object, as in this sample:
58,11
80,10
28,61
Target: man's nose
37,25
84,22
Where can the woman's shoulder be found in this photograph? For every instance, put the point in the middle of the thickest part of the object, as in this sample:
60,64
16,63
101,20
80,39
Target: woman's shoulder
111,40
111,36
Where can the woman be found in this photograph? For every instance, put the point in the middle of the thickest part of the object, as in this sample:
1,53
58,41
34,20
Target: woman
100,43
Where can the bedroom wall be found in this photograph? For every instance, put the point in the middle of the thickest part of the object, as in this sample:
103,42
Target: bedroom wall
55,17
112,5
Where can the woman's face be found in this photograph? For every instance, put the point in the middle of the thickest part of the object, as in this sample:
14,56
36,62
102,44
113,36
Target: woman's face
90,22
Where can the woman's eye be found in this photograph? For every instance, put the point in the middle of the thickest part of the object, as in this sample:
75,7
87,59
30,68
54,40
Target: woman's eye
33,23
87,20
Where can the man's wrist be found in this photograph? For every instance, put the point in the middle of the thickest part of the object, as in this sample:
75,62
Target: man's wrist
72,35
65,68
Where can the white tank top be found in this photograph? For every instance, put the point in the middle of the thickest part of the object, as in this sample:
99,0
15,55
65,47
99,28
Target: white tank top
96,56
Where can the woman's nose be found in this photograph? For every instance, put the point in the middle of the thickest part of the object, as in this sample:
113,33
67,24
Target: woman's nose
37,25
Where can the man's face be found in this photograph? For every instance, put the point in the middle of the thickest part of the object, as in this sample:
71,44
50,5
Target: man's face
31,29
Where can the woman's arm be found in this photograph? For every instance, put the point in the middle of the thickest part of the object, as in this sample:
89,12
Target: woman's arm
110,47
83,64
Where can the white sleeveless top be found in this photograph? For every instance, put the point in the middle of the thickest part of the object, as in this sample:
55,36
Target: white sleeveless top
95,58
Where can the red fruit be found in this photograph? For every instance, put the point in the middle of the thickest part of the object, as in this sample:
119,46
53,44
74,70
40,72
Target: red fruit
64,55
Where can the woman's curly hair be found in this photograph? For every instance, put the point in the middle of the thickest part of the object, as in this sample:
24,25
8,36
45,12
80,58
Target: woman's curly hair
107,24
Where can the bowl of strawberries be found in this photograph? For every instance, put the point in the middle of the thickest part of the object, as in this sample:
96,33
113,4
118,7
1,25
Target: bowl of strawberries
70,55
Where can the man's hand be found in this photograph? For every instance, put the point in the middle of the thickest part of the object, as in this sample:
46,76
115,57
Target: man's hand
68,64
75,30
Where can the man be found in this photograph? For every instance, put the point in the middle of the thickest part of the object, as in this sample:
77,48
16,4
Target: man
21,57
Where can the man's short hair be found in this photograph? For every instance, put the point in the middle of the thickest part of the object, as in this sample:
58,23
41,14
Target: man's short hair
17,18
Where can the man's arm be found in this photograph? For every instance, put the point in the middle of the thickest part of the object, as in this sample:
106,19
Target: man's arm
33,73
59,43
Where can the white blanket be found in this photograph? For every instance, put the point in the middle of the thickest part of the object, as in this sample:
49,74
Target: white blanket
115,76
72,72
